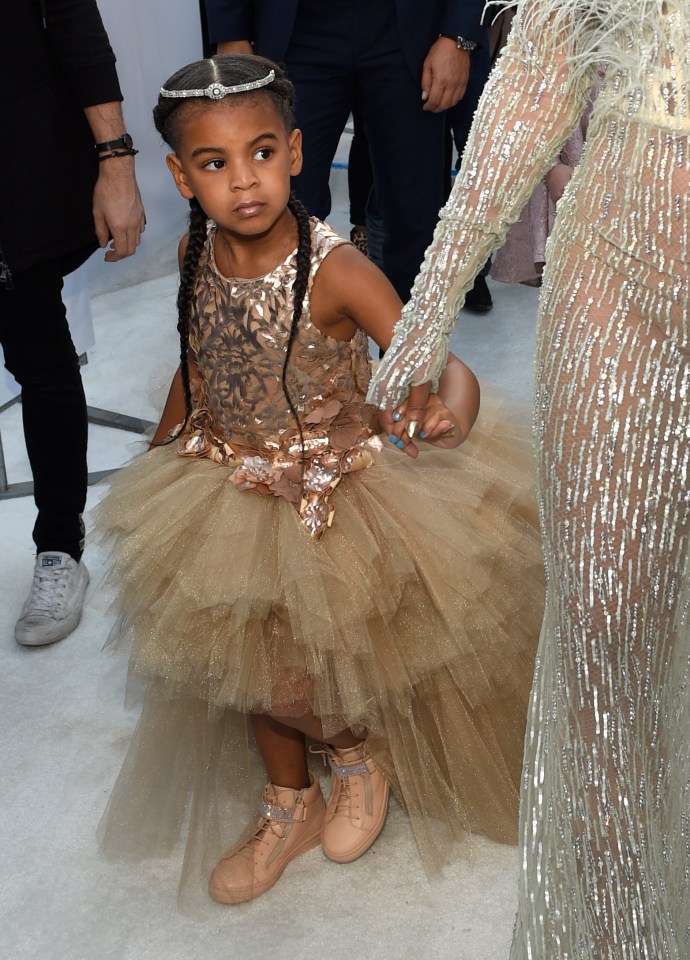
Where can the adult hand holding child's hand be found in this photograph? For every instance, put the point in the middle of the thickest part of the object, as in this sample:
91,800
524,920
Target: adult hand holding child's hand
422,416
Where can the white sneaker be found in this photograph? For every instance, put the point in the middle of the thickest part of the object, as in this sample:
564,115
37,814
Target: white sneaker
53,609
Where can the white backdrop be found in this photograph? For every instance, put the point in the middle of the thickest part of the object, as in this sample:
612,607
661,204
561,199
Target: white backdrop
151,40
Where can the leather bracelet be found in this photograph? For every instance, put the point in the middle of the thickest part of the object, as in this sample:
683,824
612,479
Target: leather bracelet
117,153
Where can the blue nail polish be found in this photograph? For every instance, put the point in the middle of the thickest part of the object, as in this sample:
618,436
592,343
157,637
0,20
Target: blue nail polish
400,444
392,437
396,416
422,434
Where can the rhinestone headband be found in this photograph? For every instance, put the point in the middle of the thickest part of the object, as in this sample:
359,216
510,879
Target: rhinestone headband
216,91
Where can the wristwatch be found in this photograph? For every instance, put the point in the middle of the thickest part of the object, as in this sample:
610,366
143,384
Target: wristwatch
461,43
122,147
124,142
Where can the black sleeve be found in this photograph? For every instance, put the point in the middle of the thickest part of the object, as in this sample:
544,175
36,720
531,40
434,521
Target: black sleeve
76,36
463,18
230,20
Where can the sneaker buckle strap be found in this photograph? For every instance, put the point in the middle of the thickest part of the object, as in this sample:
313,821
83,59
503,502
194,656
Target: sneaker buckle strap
349,770
271,811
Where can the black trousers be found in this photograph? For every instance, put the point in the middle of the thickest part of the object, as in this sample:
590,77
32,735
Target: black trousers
345,55
360,178
40,354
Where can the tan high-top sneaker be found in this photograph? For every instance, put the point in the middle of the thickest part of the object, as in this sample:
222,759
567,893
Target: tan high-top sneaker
357,808
290,824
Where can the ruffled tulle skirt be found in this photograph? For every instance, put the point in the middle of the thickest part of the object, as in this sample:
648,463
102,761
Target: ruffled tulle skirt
416,616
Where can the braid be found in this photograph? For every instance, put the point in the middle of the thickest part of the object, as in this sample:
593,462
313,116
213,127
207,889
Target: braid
169,115
185,294
299,292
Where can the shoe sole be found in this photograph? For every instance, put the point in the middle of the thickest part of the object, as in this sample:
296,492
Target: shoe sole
486,308
33,637
256,890
369,840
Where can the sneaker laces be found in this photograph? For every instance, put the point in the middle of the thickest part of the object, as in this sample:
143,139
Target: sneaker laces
48,589
275,826
261,837
256,844
345,805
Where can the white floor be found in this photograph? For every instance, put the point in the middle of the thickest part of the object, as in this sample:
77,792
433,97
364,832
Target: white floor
64,731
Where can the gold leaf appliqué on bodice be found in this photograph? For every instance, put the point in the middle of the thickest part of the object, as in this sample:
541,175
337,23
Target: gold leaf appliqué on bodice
238,334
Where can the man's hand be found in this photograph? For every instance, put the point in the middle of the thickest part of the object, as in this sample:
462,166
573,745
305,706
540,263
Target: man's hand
235,46
445,75
118,213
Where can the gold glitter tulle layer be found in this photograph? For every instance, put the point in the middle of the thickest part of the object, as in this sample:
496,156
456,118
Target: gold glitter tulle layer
393,622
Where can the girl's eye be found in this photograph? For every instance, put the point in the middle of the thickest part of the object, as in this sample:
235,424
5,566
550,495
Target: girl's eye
263,154
215,165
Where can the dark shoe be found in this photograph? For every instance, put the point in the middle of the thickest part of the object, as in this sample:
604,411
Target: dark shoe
478,299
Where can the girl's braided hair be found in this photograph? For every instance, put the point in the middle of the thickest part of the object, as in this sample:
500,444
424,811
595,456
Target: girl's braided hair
168,116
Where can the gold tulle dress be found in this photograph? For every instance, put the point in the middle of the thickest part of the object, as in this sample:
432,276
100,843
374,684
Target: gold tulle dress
605,806
399,596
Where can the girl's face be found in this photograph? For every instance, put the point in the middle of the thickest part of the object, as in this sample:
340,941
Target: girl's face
237,158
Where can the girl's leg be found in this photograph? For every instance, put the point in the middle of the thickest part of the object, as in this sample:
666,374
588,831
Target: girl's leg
282,750
311,726
290,821
358,803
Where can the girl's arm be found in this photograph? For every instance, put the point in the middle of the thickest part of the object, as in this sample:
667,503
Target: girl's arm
529,107
458,389
173,412
349,292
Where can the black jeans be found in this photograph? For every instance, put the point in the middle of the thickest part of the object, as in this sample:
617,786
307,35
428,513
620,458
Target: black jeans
40,354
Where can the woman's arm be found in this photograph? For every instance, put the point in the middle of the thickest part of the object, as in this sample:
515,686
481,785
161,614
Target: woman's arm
528,109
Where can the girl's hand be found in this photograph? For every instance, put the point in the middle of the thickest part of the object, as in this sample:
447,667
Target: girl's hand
439,426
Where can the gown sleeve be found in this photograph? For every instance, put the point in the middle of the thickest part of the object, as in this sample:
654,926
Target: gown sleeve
529,107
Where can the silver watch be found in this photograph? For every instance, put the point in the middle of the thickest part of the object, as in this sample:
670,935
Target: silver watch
461,43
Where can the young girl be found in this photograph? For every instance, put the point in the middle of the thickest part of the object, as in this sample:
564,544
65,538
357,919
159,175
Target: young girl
393,619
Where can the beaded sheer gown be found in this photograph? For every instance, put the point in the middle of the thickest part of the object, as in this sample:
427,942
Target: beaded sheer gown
264,569
605,803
